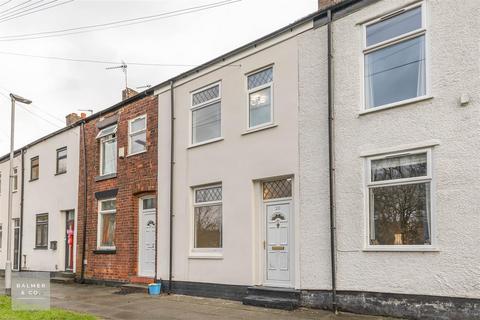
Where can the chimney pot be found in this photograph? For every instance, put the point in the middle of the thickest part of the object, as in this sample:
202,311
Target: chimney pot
83,115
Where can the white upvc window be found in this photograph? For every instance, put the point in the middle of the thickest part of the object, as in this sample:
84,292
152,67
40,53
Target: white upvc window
15,180
137,135
395,70
108,150
206,114
207,218
399,200
260,98
107,210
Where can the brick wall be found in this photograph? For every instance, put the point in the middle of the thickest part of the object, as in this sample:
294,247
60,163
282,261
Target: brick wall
136,177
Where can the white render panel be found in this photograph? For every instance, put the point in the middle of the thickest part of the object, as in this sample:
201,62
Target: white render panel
237,162
52,194
453,70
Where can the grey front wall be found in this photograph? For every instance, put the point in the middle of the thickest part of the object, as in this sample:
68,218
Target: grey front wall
451,270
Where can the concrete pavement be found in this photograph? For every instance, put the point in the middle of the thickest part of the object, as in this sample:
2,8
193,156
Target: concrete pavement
105,303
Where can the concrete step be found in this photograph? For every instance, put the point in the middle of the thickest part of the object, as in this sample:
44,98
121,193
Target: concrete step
63,280
63,274
284,293
270,297
273,303
133,288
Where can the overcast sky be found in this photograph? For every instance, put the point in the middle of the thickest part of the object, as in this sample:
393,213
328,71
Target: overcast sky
58,88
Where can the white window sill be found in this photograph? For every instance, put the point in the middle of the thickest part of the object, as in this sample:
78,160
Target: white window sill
401,248
136,153
395,104
265,127
206,255
205,142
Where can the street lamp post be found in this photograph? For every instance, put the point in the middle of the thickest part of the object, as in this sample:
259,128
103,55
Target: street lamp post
8,264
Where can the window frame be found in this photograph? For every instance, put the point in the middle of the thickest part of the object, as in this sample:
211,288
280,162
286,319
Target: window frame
130,134
14,179
106,138
61,158
202,105
36,225
390,42
99,224
259,88
205,253
368,184
31,168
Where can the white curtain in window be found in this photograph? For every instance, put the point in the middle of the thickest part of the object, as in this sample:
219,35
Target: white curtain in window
109,156
421,67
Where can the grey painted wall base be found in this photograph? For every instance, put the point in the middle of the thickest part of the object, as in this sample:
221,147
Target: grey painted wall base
396,305
209,290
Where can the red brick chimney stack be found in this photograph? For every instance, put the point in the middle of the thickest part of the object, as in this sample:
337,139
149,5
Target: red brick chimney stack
72,118
128,93
323,4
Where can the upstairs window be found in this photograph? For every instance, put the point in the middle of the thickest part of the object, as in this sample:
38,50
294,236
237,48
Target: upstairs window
34,168
62,160
15,180
260,106
137,135
108,150
394,58
206,114
399,196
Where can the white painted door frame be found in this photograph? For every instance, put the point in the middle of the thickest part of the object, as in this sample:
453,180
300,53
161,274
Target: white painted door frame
291,244
141,214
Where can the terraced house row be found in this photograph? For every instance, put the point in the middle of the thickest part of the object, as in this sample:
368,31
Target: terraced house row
331,164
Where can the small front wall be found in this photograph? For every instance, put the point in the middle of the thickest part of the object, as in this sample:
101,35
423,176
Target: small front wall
136,177
51,193
237,162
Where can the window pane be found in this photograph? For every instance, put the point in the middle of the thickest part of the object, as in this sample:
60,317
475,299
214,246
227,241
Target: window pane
390,28
62,165
149,203
108,205
138,142
208,227
401,215
109,156
208,194
138,125
206,95
260,78
260,103
395,73
107,131
42,218
399,168
206,123
277,189
108,230
62,153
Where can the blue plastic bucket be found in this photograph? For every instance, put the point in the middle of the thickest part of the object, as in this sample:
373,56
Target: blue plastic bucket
154,288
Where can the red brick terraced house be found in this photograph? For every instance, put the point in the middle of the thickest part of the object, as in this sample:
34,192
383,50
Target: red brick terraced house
117,193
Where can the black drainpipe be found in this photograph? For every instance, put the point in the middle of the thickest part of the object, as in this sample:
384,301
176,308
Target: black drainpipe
331,162
84,145
172,162
22,193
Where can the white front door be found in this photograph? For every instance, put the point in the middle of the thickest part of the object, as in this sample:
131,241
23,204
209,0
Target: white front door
278,242
147,224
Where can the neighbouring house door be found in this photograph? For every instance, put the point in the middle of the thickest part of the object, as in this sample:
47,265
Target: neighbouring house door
16,243
69,239
147,231
278,216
